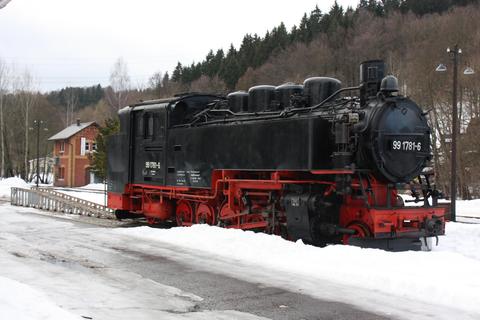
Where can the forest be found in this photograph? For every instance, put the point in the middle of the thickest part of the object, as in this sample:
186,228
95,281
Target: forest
410,35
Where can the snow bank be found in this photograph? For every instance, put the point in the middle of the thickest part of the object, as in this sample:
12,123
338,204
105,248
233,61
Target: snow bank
419,276
94,186
95,197
6,184
465,208
462,239
469,208
21,302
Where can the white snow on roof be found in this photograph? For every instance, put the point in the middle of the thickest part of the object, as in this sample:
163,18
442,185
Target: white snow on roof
70,131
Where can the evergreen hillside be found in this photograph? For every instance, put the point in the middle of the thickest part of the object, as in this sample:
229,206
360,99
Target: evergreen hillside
336,28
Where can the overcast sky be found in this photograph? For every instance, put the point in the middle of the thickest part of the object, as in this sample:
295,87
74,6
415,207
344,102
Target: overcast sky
76,42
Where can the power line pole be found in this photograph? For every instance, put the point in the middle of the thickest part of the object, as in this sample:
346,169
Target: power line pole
453,170
37,123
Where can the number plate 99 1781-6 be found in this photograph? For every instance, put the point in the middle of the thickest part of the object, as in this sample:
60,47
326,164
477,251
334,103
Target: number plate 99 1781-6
405,145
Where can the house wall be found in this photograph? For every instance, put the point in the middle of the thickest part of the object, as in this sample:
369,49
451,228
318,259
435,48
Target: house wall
76,165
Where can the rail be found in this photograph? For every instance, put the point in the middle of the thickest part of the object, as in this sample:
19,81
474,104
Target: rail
51,200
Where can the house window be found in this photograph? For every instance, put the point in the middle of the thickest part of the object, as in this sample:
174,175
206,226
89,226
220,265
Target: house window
87,146
62,146
94,146
61,173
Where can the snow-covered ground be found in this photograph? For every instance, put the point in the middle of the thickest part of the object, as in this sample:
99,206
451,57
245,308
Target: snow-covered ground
442,284
467,210
8,183
470,208
85,195
54,270
93,192
94,186
20,302
447,276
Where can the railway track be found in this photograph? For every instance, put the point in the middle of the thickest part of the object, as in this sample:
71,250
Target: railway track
468,217
473,220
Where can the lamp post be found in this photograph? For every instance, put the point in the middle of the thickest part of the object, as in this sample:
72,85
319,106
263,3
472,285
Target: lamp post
37,124
455,52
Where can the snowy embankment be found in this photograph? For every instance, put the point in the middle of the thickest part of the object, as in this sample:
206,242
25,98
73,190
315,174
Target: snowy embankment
21,302
417,276
466,208
95,197
94,186
8,183
91,192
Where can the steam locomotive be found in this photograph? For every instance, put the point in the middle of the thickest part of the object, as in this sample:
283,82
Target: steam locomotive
310,162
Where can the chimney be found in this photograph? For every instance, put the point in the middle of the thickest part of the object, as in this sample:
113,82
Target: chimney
78,122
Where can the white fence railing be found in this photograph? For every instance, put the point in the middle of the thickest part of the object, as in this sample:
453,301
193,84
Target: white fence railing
51,200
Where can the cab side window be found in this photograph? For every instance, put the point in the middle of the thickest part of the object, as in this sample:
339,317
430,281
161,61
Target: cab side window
153,125
148,125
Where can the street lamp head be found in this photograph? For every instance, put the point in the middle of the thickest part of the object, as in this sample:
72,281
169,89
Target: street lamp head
441,68
468,71
448,50
459,50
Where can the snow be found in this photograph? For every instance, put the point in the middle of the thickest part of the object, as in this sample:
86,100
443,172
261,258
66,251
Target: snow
469,208
417,276
8,183
94,186
52,269
95,197
86,194
20,302
419,283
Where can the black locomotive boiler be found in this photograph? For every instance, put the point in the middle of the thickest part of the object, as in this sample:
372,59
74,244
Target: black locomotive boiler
308,162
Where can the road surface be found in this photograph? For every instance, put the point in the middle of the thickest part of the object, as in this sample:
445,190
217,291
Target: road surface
98,274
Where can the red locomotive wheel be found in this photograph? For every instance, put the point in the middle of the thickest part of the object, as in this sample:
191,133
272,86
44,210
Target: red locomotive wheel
225,216
205,214
151,220
226,212
361,232
184,213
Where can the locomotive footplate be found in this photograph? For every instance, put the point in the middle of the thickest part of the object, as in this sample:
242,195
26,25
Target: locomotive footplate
394,245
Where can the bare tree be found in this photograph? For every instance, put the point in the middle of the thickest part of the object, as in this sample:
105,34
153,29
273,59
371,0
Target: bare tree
71,100
26,99
207,84
4,74
156,83
117,94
